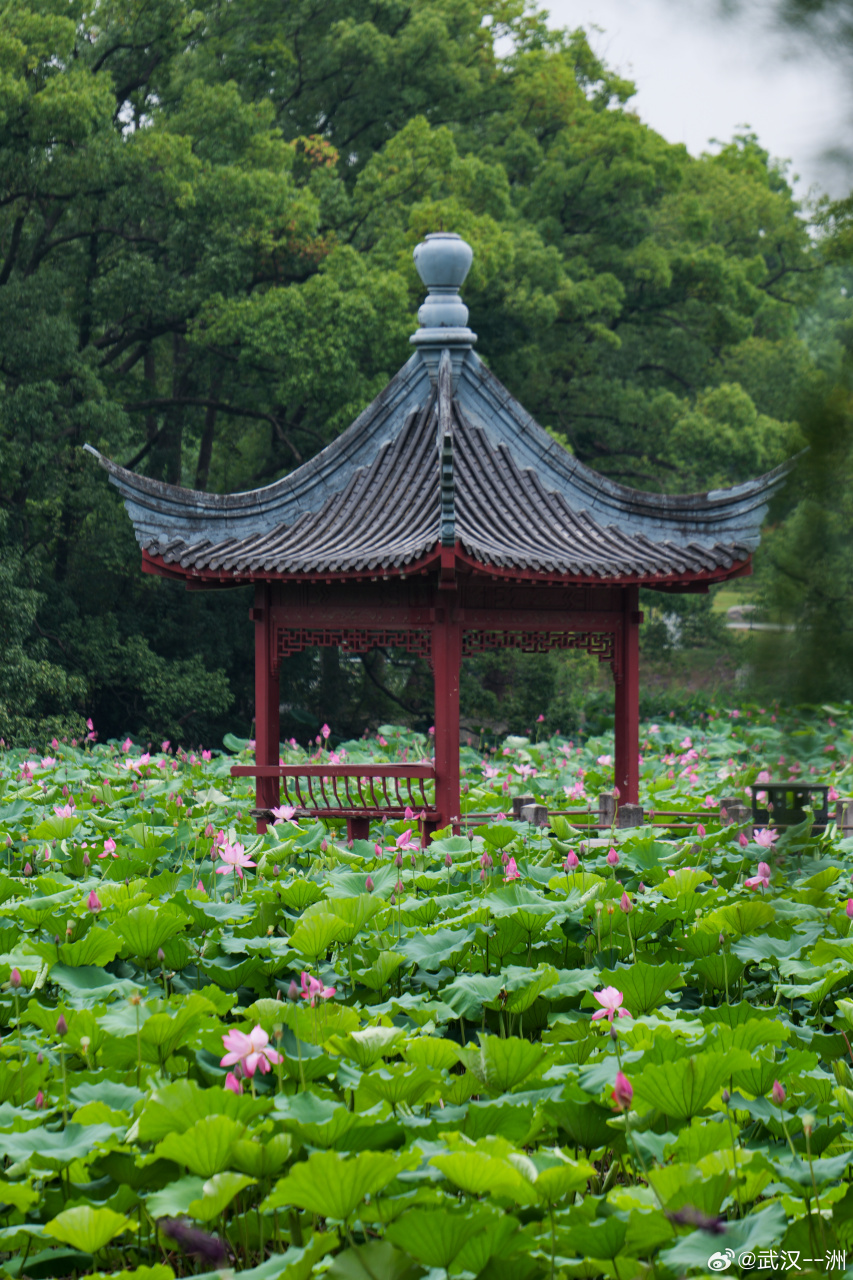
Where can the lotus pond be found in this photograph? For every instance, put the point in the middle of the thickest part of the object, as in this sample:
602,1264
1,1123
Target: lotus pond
517,1053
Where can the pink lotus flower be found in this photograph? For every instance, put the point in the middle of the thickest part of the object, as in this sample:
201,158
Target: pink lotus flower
511,871
765,837
762,879
849,908
109,848
572,861
207,755
94,902
325,731
831,794
234,856
251,1051
64,810
764,775
613,858
611,1001
622,1092
233,1083
540,719
313,990
604,760
283,813
47,762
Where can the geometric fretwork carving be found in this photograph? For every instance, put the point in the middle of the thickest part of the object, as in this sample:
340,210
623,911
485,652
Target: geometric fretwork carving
349,639
599,644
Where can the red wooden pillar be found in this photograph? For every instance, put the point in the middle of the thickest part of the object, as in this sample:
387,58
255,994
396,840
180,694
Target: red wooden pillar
628,699
447,662
267,698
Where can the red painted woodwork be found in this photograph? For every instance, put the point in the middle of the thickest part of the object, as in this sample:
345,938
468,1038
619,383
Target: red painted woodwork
267,699
447,663
627,717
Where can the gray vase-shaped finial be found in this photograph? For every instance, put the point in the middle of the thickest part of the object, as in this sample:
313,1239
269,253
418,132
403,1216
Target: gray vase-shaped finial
442,261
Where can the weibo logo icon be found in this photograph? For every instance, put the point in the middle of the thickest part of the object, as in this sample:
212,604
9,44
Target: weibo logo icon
721,1261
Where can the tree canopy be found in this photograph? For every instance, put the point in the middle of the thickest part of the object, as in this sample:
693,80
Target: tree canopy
207,214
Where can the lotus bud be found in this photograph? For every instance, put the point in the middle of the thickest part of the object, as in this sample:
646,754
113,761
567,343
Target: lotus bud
778,1093
398,861
28,871
209,831
15,979
368,884
572,861
39,1100
87,861
641,888
161,954
505,858
39,1057
486,861
625,903
94,902
849,908
726,1097
700,830
623,1092
398,887
377,850
715,884
293,990
200,887
324,846
742,840
61,1025
483,876
448,861
232,1083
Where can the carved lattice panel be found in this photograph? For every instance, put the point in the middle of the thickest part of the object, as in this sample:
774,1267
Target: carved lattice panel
599,644
349,639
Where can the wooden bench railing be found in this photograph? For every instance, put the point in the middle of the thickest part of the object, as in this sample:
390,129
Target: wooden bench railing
354,792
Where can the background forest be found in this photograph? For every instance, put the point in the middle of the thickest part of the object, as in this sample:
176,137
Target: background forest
207,214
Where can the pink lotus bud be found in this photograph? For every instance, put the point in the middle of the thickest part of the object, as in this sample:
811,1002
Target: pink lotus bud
161,954
293,990
483,877
377,850
39,1057
94,902
742,840
613,858
625,903
486,861
209,831
778,1093
15,979
572,861
324,846
622,1092
368,884
276,869
398,861
28,871
448,861
39,1100
87,861
232,1083
398,887
200,887
849,908
61,1025
715,883
700,830
505,858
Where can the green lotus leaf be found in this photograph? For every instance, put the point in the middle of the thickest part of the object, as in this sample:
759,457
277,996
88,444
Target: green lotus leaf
502,1065
87,1229
217,1194
436,1237
749,915
145,928
369,1045
432,1052
719,971
314,935
681,1089
380,973
333,1185
643,985
399,1083
300,893
176,1107
205,1148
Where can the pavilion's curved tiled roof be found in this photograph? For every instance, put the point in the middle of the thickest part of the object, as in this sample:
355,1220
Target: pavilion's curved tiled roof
426,465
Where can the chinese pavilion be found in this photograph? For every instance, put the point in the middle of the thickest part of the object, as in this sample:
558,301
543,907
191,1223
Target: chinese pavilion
446,521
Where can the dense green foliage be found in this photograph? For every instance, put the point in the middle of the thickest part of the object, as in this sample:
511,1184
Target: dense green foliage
443,1095
206,227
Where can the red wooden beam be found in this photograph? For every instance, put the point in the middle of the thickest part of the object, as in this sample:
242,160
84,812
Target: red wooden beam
332,771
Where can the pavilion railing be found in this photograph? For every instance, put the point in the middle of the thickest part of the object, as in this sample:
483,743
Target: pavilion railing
355,792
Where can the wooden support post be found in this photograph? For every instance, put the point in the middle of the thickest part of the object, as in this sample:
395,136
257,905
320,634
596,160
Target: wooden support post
627,718
267,698
519,803
606,810
630,815
447,661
